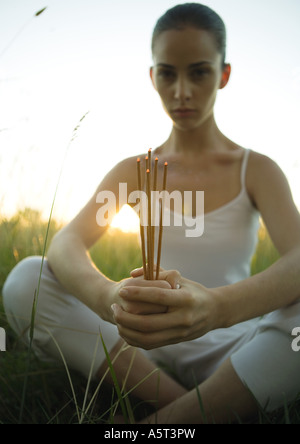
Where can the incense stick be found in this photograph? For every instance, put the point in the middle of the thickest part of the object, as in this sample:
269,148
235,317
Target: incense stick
151,186
161,222
149,226
142,230
154,187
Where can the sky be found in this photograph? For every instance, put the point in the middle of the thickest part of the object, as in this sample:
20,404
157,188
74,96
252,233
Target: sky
91,58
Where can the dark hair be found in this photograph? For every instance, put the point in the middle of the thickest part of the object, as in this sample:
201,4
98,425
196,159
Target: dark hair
196,15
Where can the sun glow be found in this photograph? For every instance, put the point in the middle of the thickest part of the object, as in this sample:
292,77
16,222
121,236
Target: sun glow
126,220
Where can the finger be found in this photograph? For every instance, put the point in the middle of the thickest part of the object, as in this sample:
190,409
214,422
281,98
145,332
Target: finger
147,323
141,308
155,295
151,339
158,338
146,283
137,272
172,276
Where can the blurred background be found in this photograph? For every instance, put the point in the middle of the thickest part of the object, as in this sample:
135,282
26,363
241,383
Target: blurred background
93,56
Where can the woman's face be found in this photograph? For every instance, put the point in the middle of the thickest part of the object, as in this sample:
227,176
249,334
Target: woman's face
187,74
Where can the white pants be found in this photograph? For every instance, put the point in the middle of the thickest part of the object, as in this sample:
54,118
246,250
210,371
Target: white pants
260,350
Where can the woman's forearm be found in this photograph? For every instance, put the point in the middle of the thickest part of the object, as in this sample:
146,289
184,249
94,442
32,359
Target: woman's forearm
72,266
276,287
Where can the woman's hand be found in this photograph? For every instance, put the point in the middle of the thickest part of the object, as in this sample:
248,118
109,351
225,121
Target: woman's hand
135,307
188,310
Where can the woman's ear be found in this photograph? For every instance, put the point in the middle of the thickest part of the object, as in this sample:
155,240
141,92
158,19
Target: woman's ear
225,75
152,77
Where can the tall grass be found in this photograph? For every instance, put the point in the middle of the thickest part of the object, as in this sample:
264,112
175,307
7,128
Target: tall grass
54,395
50,391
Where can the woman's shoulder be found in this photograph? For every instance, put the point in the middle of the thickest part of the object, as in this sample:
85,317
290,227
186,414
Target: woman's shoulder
261,164
264,175
130,162
124,171
128,165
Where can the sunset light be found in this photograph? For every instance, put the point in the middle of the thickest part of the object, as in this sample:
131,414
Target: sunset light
126,220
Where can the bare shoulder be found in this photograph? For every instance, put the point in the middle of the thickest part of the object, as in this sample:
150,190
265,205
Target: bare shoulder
261,166
260,161
270,192
124,171
265,178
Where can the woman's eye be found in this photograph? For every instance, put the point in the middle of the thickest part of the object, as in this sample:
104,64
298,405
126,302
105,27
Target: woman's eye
199,73
166,74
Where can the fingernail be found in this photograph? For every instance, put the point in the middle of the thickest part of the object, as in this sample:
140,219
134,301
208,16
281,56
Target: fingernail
178,286
113,307
135,271
123,292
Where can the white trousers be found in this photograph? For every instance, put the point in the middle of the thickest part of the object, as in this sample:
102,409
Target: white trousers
260,350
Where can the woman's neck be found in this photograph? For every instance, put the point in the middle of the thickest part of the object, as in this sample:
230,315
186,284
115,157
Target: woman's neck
206,138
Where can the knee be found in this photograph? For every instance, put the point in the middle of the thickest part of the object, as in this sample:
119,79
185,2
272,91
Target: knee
20,285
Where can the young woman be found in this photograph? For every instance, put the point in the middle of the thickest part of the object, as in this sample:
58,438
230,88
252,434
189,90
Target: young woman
205,320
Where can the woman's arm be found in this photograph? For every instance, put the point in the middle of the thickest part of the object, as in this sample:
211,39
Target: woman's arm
68,253
279,285
194,310
70,262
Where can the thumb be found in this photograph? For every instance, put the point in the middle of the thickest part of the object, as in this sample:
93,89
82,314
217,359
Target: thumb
172,276
137,272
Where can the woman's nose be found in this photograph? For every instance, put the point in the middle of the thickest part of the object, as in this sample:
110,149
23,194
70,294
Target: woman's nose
182,89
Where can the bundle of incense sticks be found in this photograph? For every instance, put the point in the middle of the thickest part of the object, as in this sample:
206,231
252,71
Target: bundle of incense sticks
148,251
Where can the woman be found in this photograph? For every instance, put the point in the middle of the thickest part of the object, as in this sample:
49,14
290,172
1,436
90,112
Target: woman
206,325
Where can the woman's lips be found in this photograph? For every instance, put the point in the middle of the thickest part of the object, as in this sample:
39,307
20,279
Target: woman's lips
183,112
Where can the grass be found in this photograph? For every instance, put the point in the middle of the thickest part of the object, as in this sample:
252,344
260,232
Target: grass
52,395
49,395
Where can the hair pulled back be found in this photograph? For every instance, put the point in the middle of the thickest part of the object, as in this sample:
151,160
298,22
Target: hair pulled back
196,15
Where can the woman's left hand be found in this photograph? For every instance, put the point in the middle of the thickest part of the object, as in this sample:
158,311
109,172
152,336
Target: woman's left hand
192,311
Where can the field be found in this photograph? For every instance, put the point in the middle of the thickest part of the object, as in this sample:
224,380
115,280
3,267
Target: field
32,392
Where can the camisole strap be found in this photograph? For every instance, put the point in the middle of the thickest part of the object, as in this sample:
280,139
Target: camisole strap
244,168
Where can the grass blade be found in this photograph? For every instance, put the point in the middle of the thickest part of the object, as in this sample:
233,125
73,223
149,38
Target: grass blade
84,409
67,371
202,410
116,384
40,12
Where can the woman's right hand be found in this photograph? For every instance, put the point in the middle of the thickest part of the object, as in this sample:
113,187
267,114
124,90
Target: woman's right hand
137,308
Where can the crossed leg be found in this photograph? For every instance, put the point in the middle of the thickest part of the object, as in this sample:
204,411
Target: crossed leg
142,377
224,399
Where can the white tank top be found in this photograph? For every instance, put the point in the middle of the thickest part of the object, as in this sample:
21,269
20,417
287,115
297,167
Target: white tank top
222,255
